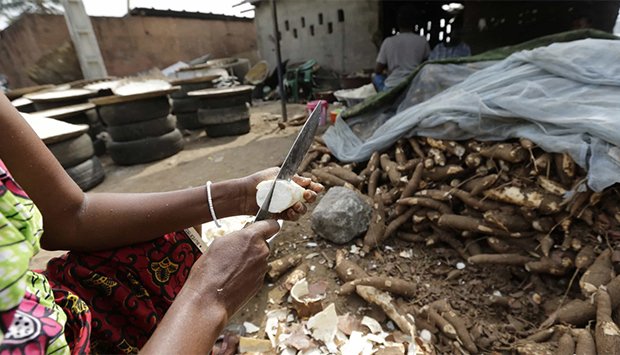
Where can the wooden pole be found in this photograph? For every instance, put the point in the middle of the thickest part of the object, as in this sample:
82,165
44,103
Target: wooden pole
276,35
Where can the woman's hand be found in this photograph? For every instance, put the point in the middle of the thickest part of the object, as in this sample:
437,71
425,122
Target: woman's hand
221,282
249,184
233,268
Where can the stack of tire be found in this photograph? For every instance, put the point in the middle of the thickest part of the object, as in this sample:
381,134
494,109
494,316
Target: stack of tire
185,108
80,114
142,129
77,157
224,111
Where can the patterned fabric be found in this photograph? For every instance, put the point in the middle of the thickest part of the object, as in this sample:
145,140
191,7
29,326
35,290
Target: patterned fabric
116,298
104,302
30,321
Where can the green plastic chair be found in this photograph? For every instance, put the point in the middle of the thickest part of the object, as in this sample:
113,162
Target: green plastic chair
300,76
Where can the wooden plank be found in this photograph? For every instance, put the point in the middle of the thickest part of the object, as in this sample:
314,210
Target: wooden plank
219,92
53,131
194,80
65,111
116,99
59,95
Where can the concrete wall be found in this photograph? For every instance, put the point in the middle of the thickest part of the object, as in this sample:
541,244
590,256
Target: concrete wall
128,44
348,48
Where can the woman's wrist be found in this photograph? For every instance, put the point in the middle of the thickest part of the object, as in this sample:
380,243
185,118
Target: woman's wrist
228,198
199,293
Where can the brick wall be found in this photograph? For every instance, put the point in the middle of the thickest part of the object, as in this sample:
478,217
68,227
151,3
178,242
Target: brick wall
129,44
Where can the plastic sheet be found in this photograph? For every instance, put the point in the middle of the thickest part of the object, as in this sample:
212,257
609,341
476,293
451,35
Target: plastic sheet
563,97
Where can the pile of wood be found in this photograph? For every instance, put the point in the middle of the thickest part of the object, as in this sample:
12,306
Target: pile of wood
509,204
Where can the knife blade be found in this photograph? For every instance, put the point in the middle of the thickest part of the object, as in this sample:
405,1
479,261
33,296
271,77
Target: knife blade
293,158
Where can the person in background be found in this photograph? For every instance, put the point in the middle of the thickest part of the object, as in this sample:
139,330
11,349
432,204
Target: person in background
400,54
453,49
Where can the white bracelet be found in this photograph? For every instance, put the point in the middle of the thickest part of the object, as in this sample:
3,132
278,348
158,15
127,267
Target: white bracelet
217,224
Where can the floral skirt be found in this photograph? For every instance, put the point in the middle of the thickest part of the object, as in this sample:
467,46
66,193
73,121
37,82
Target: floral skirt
115,299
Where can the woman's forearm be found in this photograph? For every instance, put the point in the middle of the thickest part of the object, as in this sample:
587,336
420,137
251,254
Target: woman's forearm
191,326
109,220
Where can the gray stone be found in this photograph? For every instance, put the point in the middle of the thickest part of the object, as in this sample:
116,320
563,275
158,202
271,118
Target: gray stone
341,215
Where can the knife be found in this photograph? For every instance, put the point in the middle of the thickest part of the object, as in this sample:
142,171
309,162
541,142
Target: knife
287,170
293,159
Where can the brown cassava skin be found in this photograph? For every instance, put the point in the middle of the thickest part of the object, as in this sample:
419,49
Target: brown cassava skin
478,204
396,223
504,151
566,345
531,198
349,271
584,342
509,222
446,311
376,229
425,202
390,168
441,323
447,146
373,181
476,186
599,273
466,223
500,259
439,173
579,312
607,333
416,148
585,257
329,179
344,174
346,269
399,153
309,158
412,186
280,266
546,265
448,238
390,284
409,165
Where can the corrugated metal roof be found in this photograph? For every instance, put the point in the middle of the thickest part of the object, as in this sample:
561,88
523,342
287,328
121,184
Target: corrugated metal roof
142,11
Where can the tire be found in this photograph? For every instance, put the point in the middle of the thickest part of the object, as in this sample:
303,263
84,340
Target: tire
134,111
228,129
87,174
189,121
151,128
73,151
187,104
223,115
147,149
226,101
99,145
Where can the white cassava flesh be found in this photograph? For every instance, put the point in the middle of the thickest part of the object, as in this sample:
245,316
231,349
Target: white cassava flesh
285,194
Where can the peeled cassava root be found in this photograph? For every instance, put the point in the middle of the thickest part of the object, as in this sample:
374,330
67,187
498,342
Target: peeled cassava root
285,194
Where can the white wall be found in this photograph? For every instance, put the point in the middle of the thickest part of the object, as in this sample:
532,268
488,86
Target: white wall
347,49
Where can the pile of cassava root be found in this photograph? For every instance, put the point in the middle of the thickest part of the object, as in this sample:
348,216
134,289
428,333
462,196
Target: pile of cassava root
507,204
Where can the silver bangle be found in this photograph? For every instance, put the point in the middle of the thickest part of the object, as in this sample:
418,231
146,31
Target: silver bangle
211,209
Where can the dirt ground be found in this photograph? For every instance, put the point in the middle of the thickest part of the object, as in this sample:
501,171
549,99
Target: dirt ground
432,268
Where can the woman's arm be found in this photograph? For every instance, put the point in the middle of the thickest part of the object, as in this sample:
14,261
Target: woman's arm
74,220
220,283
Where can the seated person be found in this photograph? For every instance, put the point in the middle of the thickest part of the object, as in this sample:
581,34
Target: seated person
400,54
453,49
